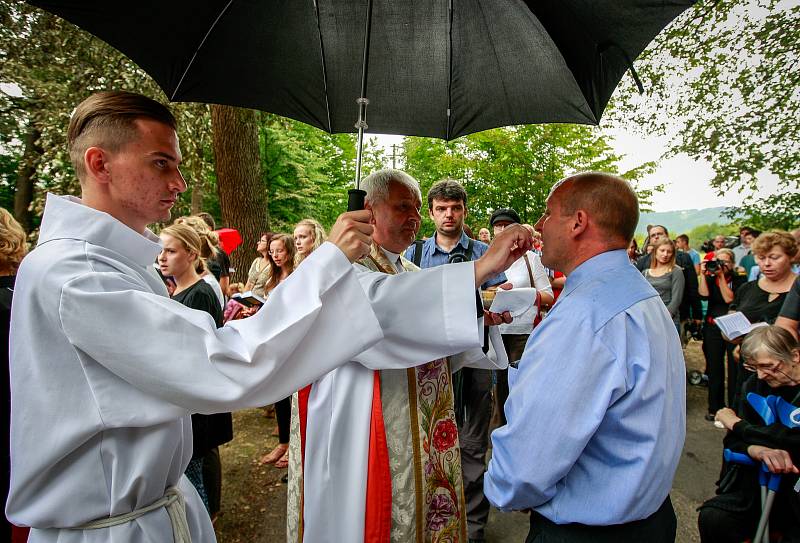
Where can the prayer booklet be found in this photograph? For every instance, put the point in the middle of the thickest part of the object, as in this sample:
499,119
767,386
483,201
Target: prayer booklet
248,299
736,325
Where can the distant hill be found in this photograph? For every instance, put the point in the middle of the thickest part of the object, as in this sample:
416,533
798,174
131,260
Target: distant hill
678,222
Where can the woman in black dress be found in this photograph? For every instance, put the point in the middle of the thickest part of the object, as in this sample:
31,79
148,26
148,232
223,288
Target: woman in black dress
180,259
718,285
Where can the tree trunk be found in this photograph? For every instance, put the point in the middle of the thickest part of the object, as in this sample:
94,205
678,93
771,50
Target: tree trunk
197,197
242,198
23,195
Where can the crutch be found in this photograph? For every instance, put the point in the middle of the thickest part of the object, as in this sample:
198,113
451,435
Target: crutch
769,483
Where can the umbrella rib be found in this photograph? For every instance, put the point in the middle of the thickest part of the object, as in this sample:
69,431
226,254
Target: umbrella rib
324,67
450,69
197,49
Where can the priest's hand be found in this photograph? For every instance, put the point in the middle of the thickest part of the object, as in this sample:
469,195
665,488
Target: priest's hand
352,233
509,245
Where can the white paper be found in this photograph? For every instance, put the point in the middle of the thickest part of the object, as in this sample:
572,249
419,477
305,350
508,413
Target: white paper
516,301
735,325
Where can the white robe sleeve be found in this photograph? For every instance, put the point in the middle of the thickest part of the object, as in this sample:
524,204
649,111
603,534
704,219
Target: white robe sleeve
424,315
314,321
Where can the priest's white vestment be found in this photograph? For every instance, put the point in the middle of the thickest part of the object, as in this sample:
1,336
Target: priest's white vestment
329,478
106,370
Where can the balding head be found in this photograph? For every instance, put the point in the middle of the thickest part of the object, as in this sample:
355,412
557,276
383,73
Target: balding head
609,200
587,214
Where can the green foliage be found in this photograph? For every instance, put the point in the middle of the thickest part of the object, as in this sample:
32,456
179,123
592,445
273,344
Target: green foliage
780,210
722,83
513,166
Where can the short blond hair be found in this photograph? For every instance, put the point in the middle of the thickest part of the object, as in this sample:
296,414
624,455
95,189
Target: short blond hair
768,240
13,245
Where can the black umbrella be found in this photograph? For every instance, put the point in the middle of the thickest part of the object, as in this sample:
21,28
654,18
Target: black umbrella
439,68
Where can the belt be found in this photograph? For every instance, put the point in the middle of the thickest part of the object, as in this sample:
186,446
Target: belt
172,500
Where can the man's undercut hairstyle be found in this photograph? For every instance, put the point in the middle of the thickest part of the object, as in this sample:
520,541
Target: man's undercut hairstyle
447,189
684,238
107,120
610,201
376,184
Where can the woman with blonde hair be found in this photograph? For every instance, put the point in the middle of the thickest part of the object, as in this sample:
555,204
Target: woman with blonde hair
666,277
13,247
281,258
308,235
181,259
209,249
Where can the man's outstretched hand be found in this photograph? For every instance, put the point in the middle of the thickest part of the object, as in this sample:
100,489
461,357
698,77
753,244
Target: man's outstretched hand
509,245
352,233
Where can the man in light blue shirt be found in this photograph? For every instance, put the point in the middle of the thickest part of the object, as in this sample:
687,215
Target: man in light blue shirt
596,411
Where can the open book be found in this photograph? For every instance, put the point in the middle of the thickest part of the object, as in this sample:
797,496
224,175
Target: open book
248,298
735,325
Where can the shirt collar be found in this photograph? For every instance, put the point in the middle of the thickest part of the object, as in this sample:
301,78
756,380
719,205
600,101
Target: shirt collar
66,217
597,265
463,242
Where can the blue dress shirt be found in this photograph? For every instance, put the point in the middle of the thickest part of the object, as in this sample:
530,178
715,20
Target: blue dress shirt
596,411
433,255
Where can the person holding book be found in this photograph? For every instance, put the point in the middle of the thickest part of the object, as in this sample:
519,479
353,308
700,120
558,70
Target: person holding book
667,277
308,235
761,300
281,261
181,259
772,356
718,285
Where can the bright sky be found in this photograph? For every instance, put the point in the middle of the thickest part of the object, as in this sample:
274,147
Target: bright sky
686,181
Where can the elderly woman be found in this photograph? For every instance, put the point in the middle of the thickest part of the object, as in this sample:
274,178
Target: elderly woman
13,247
773,356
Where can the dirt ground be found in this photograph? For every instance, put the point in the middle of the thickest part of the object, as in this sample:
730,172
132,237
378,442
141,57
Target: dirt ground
254,499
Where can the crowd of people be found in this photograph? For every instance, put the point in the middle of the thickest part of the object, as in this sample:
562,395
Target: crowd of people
388,360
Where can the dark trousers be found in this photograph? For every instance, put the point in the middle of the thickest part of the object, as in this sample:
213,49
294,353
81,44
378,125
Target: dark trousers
715,349
659,527
212,480
283,415
473,437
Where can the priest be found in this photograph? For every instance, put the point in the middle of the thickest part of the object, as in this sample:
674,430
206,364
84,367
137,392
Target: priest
106,369
374,454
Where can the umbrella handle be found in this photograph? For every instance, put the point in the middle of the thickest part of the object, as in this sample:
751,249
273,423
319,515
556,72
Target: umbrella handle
355,199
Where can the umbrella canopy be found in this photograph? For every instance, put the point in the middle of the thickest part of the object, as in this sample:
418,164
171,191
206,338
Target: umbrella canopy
439,68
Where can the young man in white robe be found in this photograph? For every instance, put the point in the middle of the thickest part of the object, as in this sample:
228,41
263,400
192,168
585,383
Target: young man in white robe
374,455
106,369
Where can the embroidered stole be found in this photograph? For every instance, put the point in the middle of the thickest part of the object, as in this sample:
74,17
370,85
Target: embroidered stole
414,480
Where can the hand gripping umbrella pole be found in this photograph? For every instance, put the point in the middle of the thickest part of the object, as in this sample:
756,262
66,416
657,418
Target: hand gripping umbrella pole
355,197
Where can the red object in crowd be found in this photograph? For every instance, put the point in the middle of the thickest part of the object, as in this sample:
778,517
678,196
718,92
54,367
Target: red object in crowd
229,239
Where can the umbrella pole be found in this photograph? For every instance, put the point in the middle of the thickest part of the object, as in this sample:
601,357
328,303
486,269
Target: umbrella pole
355,197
